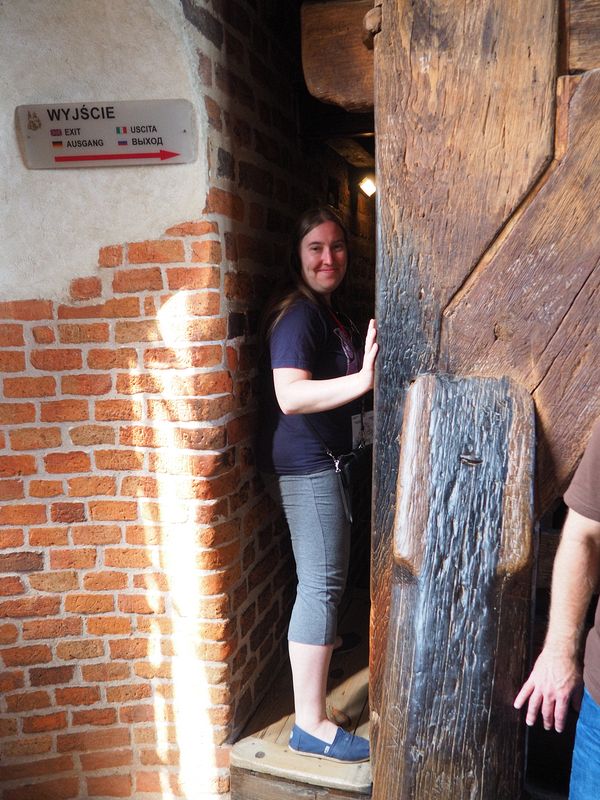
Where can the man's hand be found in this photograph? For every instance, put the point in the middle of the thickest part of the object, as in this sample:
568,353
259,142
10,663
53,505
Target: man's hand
554,681
556,676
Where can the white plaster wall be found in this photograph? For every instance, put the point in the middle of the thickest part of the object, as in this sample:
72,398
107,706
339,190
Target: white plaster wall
53,222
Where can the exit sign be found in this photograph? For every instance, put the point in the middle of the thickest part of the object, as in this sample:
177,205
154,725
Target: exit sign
107,134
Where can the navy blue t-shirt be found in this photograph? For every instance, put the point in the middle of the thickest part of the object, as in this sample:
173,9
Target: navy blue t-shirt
308,337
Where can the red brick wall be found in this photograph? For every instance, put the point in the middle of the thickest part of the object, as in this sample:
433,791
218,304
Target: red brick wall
145,578
123,442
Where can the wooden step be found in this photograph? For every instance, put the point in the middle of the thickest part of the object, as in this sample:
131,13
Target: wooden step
262,765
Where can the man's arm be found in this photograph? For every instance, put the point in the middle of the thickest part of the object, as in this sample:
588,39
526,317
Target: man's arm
557,673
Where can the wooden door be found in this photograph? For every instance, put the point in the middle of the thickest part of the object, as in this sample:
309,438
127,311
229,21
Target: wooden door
488,250
487,123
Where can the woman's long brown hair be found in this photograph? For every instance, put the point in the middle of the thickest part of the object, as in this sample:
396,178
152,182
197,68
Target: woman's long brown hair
294,287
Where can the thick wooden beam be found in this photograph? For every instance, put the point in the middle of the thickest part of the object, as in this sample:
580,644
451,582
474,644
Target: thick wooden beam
464,117
583,32
338,67
321,121
531,309
458,630
352,152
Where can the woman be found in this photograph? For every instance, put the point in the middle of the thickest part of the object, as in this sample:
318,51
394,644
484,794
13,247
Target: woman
317,380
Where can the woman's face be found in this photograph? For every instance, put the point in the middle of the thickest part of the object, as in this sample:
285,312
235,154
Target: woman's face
323,257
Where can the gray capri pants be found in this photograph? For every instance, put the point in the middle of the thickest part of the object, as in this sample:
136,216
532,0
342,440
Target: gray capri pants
320,535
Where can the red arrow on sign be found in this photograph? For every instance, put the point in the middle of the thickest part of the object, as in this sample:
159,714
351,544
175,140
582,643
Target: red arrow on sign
162,154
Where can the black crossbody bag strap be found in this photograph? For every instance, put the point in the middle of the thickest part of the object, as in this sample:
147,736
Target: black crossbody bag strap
337,459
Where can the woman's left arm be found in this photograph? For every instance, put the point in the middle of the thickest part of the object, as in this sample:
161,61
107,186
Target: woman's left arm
298,393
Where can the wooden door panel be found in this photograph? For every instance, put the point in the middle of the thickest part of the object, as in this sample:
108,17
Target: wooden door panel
464,118
568,396
533,307
465,100
583,31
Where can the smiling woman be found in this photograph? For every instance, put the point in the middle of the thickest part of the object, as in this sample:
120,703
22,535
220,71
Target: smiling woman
324,256
315,373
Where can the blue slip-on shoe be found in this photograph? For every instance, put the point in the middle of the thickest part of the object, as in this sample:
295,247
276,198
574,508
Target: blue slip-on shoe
346,747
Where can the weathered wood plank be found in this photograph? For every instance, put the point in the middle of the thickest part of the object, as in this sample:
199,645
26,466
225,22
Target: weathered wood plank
460,611
455,151
568,396
464,111
583,22
258,786
260,755
532,309
338,67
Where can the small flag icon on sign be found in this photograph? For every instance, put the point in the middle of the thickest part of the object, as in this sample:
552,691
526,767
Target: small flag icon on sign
56,132
122,141
57,144
121,130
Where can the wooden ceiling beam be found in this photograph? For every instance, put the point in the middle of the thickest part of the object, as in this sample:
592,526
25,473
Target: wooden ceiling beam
322,121
353,152
337,64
